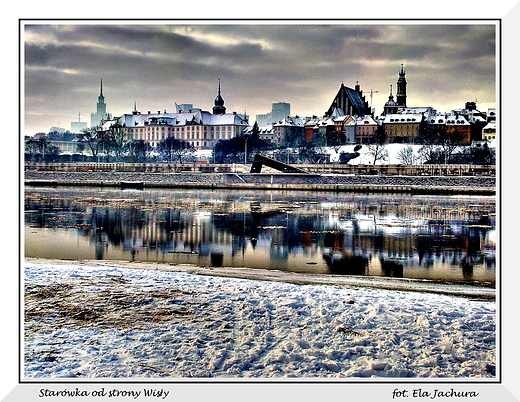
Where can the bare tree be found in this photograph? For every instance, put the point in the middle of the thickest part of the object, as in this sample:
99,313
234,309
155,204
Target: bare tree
175,149
117,140
93,138
377,152
406,156
141,150
41,148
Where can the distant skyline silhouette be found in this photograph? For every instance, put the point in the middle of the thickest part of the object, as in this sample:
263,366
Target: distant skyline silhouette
156,66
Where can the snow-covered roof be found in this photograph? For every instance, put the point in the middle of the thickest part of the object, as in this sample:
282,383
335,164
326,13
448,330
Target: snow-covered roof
456,120
341,118
291,121
492,125
181,119
268,129
403,118
365,121
312,122
426,110
475,117
326,122
437,119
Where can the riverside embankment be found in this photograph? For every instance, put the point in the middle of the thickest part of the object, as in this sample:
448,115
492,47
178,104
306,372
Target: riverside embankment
410,184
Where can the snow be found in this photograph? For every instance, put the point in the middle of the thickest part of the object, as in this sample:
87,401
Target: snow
366,159
171,323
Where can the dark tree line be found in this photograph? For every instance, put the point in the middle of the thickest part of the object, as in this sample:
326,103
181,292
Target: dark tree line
113,145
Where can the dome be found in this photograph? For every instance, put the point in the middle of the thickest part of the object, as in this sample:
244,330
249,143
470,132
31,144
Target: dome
219,103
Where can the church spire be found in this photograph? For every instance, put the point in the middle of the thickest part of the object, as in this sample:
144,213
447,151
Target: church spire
390,106
401,88
219,102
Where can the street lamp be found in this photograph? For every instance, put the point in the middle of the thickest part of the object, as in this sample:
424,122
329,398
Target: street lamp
245,151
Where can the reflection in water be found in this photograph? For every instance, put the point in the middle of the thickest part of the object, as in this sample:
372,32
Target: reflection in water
346,264
392,268
432,237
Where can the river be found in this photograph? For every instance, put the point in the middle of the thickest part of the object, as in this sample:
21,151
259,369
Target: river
441,238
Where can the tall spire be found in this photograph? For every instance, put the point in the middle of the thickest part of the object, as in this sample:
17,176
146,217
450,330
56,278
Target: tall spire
401,88
101,98
390,106
219,102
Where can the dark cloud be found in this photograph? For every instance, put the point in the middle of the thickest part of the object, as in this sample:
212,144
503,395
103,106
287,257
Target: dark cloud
302,63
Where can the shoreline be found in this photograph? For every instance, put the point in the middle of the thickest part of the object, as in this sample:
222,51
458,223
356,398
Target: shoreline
441,185
471,291
106,321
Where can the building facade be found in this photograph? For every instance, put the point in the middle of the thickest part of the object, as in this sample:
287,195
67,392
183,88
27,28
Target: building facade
288,131
366,130
402,128
199,128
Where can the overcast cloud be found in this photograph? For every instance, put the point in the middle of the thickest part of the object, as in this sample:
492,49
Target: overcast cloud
157,65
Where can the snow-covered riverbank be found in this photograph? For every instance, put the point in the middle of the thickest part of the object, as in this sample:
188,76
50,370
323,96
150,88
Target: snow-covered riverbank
100,321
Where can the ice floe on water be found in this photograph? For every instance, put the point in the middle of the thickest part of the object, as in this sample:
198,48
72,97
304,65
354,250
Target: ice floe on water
84,320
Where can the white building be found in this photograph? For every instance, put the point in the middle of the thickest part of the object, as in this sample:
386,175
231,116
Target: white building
199,128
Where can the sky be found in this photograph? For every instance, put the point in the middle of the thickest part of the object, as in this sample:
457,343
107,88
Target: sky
304,62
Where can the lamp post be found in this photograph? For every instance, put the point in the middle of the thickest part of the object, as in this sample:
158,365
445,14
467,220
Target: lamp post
245,151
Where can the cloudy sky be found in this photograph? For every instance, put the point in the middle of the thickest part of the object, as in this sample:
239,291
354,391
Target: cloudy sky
258,62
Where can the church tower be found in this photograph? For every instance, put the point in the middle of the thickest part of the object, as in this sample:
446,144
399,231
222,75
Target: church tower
219,103
101,109
401,88
390,106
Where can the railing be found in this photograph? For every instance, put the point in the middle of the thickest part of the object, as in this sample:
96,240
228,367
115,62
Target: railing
401,170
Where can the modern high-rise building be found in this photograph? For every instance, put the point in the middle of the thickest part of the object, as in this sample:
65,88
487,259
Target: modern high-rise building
78,126
101,110
279,111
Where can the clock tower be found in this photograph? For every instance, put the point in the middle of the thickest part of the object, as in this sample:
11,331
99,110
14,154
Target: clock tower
401,88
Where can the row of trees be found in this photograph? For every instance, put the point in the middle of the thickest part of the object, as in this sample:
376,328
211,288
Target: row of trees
113,145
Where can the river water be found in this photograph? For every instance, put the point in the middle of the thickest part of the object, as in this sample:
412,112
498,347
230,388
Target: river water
444,238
